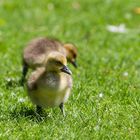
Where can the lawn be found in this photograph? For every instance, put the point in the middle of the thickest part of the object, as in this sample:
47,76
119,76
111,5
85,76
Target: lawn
105,100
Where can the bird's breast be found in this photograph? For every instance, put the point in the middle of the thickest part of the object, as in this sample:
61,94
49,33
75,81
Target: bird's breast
52,90
58,82
50,81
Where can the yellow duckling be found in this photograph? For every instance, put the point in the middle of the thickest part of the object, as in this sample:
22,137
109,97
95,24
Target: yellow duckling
50,86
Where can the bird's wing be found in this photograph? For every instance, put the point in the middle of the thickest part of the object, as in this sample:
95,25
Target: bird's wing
32,81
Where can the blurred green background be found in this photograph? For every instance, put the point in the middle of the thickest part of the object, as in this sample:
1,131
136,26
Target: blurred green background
105,99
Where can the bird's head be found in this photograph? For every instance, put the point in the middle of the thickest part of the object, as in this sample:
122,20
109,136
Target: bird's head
57,62
71,52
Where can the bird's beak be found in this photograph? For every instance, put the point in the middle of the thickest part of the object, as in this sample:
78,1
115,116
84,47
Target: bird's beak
66,70
74,63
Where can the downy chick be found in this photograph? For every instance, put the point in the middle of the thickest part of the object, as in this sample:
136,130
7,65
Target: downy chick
50,86
37,50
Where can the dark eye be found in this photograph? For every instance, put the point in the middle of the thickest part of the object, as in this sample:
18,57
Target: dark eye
74,55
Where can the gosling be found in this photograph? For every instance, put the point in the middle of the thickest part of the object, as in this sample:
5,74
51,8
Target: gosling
36,51
50,86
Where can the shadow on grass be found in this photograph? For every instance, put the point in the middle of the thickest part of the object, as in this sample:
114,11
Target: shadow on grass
28,113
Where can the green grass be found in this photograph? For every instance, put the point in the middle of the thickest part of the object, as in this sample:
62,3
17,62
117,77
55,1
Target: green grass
104,59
